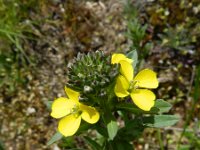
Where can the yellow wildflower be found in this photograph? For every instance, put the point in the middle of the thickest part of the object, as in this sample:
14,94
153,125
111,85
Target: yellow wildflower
70,110
126,84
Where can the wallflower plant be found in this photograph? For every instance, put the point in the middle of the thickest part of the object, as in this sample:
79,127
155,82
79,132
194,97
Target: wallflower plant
99,90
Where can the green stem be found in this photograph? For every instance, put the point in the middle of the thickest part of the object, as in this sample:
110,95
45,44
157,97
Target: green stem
160,139
196,96
188,118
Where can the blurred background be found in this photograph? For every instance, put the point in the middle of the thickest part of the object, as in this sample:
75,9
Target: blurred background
38,38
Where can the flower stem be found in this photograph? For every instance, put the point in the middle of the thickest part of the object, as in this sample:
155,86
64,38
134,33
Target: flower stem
160,139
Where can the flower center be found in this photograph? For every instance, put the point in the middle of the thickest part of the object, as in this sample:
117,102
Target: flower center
133,86
76,110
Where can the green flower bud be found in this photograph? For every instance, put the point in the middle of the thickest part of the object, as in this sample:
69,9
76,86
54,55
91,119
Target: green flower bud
91,73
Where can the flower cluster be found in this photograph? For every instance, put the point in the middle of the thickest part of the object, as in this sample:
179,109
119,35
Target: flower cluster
71,111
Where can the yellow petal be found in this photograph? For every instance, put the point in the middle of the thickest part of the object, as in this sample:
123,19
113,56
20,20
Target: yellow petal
126,70
121,86
146,79
143,98
69,124
61,107
89,114
116,58
73,95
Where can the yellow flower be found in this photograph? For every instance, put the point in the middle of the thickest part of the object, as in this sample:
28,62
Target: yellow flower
70,110
126,84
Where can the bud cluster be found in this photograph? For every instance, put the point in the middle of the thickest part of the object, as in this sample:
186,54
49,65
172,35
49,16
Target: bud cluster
90,73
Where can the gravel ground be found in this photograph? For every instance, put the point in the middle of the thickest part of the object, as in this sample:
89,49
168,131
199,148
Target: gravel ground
25,120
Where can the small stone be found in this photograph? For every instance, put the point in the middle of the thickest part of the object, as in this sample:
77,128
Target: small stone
56,147
30,110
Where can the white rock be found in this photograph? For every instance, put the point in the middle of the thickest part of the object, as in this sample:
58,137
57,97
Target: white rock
30,110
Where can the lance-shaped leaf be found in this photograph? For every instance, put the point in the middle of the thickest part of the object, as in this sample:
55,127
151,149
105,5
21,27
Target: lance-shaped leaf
57,136
162,105
134,56
160,121
112,129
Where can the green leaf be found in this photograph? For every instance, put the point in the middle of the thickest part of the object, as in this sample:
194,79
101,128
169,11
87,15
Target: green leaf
57,136
185,147
112,129
93,144
131,125
159,121
134,56
68,141
129,107
134,109
101,130
162,105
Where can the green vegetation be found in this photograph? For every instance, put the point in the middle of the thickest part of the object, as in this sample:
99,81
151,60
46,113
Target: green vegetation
14,58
